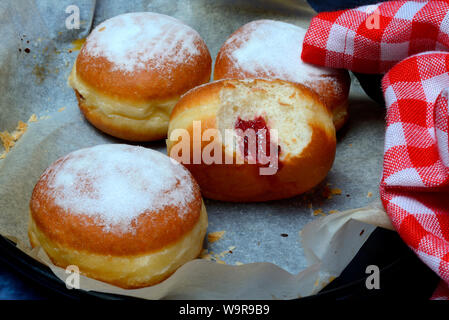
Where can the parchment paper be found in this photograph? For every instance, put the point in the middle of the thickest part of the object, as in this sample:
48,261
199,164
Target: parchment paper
275,266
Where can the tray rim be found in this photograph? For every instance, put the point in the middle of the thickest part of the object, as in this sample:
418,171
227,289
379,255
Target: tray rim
43,276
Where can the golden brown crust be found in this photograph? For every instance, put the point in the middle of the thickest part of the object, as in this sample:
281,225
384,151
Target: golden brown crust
243,182
134,102
121,127
130,271
144,84
151,231
333,87
200,95
161,82
118,123
340,115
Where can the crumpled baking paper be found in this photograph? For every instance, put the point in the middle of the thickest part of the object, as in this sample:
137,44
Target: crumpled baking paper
269,259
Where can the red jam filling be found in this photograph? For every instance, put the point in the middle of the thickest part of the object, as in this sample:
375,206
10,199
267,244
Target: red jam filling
263,141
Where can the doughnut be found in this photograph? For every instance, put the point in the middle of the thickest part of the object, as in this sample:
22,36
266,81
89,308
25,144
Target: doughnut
252,140
272,49
131,71
125,215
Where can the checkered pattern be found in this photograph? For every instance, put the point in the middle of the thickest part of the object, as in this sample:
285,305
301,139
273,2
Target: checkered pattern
373,38
415,182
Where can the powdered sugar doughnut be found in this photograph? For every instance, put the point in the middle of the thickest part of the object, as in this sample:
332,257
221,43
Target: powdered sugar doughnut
126,215
132,70
272,49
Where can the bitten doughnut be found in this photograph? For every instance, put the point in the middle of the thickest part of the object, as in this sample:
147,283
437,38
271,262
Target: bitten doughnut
252,140
272,49
133,68
125,215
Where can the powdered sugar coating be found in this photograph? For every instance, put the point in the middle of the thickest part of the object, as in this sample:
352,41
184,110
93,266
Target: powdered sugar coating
131,40
272,48
114,184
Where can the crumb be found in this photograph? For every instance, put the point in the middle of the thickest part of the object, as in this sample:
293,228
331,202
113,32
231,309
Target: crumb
318,212
284,103
221,254
328,192
210,256
33,118
206,255
350,145
9,139
215,236
333,211
284,235
369,195
255,89
61,109
20,130
8,142
336,191
77,44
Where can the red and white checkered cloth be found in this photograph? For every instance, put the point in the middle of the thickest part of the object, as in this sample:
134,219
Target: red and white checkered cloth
373,38
401,42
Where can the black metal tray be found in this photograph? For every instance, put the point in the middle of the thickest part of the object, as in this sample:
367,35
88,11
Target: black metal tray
402,274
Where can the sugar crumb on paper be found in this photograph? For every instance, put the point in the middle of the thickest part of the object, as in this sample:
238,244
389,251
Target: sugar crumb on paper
9,139
320,212
216,257
215,236
328,192
33,118
336,191
77,45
